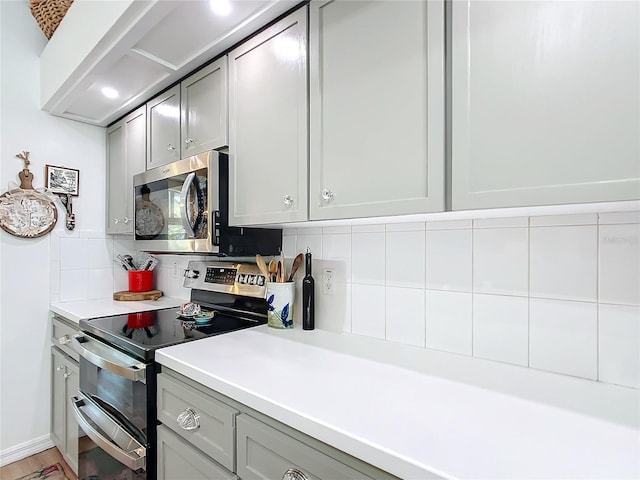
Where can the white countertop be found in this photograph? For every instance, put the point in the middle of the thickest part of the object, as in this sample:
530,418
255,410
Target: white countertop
103,307
415,424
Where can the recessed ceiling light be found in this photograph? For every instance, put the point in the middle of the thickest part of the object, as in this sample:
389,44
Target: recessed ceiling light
220,7
109,92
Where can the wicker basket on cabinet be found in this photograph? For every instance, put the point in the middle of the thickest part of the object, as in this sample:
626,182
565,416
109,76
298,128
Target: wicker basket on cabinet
49,13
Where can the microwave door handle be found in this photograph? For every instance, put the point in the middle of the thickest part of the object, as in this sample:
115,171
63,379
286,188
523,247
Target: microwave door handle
184,194
108,358
122,446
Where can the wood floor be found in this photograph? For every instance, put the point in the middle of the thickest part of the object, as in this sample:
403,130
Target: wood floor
35,462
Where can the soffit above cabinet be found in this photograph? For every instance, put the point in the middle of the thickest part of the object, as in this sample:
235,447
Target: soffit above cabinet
138,48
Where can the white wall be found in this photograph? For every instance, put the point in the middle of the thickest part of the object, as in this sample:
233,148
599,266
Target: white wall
24,273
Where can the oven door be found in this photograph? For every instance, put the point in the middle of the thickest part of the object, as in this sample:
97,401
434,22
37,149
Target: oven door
175,205
116,412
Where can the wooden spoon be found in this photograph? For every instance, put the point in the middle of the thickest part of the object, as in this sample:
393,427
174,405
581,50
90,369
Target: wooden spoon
283,271
262,265
279,272
273,270
296,264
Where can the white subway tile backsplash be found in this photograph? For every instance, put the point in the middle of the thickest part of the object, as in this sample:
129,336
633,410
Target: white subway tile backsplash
504,222
405,315
564,337
337,248
619,345
368,310
336,229
405,227
73,285
373,228
619,217
311,242
554,292
74,253
368,258
501,328
619,264
100,253
449,321
289,246
559,220
501,261
100,282
449,224
564,263
405,259
448,260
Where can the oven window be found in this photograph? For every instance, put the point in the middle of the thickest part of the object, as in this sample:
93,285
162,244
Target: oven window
117,395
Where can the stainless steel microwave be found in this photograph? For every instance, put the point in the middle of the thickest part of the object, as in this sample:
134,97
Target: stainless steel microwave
183,207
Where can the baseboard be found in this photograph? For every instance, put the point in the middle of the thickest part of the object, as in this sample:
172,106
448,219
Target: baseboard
24,450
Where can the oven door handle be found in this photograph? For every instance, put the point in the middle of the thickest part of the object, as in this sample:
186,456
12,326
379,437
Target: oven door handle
184,196
122,446
103,356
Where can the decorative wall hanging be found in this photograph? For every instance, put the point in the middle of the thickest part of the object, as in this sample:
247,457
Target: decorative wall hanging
25,212
64,182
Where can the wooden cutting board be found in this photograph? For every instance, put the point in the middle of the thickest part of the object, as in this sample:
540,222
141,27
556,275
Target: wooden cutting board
131,296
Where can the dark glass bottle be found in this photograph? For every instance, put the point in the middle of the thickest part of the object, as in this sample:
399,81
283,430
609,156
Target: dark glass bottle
307,295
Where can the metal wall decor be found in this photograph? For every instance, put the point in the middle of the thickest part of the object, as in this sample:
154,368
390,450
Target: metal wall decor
65,183
25,212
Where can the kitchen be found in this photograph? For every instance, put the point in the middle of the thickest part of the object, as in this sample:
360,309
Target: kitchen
367,257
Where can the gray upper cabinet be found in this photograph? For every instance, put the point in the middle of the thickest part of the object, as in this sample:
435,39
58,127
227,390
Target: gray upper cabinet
545,103
163,128
204,109
126,154
376,108
268,116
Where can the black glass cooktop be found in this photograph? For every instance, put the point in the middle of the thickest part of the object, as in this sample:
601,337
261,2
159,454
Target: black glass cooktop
140,334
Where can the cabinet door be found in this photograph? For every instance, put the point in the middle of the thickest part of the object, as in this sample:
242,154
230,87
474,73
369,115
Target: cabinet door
545,102
163,128
126,156
71,425
376,108
178,460
268,118
58,400
64,385
266,453
205,113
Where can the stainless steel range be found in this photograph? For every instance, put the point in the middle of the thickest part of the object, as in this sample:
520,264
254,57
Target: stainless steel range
116,405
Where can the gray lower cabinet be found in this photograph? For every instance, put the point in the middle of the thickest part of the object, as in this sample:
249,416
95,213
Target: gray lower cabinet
65,383
178,460
206,435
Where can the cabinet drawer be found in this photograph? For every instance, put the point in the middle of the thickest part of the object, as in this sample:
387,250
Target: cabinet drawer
178,460
266,453
61,334
214,429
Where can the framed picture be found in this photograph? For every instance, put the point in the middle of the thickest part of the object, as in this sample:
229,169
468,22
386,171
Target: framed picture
63,180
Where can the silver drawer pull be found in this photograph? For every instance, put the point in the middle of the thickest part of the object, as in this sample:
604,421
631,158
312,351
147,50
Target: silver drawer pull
294,474
63,340
189,419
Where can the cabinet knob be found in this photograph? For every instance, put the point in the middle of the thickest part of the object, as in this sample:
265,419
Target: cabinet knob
171,147
126,220
59,368
189,140
63,340
66,375
287,200
189,419
327,195
294,474
116,221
